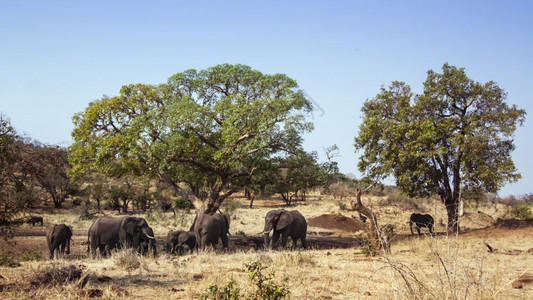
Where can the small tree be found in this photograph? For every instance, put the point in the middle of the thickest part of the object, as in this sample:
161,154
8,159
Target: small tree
298,173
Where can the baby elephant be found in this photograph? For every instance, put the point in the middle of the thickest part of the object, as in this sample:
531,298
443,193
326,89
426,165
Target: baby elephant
420,220
58,238
176,240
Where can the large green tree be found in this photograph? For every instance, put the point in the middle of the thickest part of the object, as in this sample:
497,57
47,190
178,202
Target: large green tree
455,136
202,126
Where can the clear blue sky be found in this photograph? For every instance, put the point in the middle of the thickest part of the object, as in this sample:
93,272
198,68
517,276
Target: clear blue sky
57,56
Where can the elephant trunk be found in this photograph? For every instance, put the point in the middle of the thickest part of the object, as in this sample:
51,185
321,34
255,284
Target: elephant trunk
266,235
68,246
154,248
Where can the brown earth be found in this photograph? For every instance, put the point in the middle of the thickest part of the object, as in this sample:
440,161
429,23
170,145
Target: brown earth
335,221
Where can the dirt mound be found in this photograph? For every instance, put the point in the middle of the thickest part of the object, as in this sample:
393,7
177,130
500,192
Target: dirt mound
335,221
513,223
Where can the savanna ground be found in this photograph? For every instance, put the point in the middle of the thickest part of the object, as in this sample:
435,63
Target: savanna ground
336,267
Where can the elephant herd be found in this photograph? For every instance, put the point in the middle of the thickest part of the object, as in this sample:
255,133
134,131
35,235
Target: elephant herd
108,233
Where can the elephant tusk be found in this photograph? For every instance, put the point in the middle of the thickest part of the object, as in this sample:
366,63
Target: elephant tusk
150,237
266,232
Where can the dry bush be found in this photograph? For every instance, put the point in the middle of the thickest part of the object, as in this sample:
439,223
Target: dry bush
339,190
127,259
55,275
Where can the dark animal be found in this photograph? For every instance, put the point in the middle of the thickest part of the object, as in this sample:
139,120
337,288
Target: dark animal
419,221
58,238
35,219
285,223
362,218
177,240
107,233
210,228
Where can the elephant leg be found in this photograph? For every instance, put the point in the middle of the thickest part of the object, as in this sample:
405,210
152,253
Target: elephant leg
224,238
418,230
304,244
63,246
294,242
284,238
204,242
275,237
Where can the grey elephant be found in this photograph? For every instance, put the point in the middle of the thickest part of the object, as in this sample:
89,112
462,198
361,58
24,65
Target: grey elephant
107,233
209,228
287,224
420,220
176,240
58,238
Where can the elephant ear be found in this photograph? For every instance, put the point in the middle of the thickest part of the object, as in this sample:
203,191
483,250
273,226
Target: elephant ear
130,226
285,219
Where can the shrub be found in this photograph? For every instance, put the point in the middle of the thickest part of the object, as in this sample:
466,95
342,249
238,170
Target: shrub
127,259
230,291
339,190
7,260
367,248
56,275
31,256
342,205
265,287
521,212
182,203
154,216
231,207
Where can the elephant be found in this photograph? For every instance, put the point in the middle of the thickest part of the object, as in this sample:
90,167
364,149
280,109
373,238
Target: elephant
107,233
35,219
209,228
285,223
144,244
176,240
58,238
420,220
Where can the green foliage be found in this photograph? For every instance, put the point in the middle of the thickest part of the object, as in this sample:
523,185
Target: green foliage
265,288
296,174
182,203
7,260
230,291
457,134
231,207
522,211
31,256
342,205
208,127
367,249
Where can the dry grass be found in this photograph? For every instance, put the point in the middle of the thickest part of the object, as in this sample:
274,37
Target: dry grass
440,267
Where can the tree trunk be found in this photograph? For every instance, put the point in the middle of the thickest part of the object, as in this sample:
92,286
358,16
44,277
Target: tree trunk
372,230
177,190
252,201
452,209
